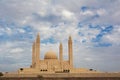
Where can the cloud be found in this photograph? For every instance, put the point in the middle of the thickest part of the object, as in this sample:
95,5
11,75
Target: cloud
67,14
16,50
93,25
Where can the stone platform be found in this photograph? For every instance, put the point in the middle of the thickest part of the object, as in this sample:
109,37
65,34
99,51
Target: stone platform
63,76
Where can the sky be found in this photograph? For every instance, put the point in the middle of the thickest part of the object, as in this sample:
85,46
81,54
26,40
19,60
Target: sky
93,24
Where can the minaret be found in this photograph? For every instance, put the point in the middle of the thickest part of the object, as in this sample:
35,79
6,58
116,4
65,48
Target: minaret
61,52
33,55
70,51
37,50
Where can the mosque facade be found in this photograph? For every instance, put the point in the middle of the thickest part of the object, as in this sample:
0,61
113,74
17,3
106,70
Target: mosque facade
51,63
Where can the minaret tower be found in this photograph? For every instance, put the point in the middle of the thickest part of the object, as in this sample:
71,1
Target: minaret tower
70,51
61,52
33,55
37,50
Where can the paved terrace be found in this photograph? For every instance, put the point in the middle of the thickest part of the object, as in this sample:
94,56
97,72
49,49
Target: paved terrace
66,75
63,76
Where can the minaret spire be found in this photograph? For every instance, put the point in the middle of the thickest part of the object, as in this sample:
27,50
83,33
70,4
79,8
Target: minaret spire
61,52
37,49
70,51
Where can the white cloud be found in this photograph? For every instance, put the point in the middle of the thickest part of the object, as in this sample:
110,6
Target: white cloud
16,50
21,30
58,19
87,13
67,14
101,12
88,59
9,31
114,37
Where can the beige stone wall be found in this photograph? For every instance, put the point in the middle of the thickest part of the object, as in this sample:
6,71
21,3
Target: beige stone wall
83,70
28,71
80,75
54,65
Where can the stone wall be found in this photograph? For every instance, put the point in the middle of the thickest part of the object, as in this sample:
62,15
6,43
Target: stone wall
62,78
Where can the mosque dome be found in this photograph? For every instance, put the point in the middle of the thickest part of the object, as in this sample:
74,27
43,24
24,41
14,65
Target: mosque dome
50,55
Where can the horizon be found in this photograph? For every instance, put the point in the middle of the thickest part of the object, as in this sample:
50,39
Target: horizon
93,25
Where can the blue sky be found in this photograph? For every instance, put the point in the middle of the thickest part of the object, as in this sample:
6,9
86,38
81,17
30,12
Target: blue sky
93,24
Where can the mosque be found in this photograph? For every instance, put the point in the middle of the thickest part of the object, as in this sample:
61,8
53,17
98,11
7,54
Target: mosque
51,63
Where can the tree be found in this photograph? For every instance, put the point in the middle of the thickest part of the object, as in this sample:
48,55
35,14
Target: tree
91,69
40,77
1,74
